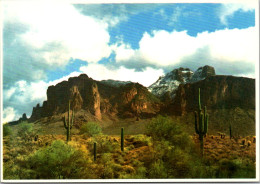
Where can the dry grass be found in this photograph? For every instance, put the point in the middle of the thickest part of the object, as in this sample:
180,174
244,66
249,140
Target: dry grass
216,148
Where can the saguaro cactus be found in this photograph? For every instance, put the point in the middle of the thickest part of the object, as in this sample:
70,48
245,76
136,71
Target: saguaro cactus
122,139
230,131
68,123
95,151
201,124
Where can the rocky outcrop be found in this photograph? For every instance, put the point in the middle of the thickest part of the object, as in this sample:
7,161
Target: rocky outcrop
36,113
202,73
217,92
94,101
126,99
76,99
97,98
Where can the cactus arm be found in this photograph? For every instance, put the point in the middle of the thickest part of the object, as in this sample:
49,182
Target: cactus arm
196,123
205,112
72,119
69,115
201,125
65,122
230,131
122,139
199,101
206,124
95,151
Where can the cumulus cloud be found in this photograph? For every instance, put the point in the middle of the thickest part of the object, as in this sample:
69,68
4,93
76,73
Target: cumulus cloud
9,114
101,72
22,96
170,49
228,9
44,36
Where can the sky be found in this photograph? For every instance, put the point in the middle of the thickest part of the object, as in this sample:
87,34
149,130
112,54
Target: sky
46,43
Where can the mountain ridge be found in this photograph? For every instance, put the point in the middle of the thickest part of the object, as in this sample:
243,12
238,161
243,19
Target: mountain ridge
171,81
110,100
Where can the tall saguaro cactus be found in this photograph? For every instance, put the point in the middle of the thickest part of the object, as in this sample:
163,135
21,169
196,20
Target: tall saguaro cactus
95,151
122,139
201,124
230,131
68,123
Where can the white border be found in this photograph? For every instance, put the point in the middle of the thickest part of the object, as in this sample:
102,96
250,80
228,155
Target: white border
256,4
1,90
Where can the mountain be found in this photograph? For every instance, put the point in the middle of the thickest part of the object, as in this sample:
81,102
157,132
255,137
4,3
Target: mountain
228,99
168,84
217,92
98,98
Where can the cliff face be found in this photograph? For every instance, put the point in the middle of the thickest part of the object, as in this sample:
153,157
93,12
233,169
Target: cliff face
134,100
97,98
217,92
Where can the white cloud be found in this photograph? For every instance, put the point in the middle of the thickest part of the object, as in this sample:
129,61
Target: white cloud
83,37
44,36
228,10
9,114
163,49
232,45
123,52
100,72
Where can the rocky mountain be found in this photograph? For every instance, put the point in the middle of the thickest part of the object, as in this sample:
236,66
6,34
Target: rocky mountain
114,98
217,92
168,84
174,94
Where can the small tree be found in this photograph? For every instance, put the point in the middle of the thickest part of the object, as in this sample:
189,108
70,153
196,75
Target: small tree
91,129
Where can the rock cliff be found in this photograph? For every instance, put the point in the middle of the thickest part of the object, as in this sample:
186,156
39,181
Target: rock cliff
97,97
217,92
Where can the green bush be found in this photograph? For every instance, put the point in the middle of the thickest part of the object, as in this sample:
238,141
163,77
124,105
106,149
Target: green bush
7,131
91,129
25,130
157,170
235,169
174,150
59,161
164,129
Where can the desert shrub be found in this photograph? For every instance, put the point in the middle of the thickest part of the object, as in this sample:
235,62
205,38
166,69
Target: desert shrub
104,144
139,172
235,169
10,170
174,150
59,161
157,170
106,164
91,129
165,129
25,130
7,131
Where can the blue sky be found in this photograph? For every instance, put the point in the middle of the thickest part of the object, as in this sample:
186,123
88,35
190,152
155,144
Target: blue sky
135,42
